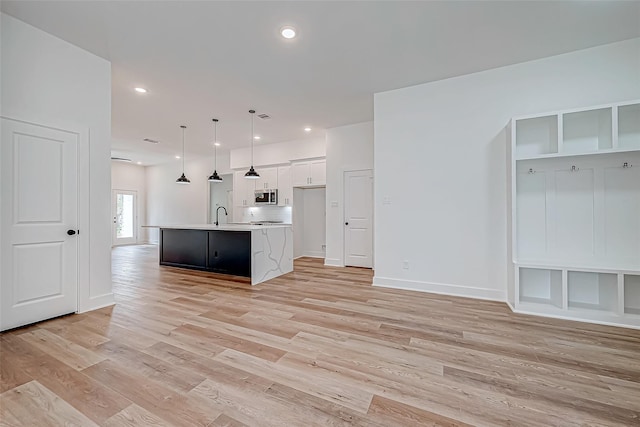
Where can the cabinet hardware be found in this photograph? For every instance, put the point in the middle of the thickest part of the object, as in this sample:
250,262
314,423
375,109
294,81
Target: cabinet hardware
531,171
627,165
71,232
574,169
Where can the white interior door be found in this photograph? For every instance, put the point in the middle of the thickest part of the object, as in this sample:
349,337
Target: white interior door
39,220
125,217
358,215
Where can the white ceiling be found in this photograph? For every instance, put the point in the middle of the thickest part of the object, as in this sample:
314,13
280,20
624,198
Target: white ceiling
219,59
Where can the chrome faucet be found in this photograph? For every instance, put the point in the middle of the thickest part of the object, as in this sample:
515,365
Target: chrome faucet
218,210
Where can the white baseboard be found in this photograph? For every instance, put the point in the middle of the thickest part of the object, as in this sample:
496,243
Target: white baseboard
333,262
441,288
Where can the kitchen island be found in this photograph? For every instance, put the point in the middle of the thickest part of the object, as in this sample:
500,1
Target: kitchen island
260,252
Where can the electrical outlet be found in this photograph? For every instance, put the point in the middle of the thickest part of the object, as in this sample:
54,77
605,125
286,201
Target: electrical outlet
405,265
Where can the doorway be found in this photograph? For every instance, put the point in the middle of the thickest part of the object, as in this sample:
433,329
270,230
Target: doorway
125,217
309,222
358,218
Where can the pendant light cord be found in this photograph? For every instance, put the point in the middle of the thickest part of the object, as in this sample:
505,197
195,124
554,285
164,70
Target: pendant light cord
252,137
215,147
183,128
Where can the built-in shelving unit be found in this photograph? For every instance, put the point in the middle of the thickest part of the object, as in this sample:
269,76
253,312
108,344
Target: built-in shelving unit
574,198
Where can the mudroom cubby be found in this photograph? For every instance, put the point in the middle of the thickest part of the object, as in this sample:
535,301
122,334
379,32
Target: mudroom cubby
574,198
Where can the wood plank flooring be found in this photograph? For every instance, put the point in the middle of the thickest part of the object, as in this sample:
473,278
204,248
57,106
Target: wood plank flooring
317,347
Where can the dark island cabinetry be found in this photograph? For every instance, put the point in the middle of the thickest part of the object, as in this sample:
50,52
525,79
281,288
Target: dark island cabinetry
227,252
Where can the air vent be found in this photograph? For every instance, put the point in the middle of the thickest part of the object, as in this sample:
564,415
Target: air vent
264,116
153,141
120,159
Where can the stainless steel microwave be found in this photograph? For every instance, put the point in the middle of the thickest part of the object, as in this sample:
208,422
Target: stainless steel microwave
266,197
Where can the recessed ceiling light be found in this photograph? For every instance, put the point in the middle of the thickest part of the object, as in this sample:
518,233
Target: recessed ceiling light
139,163
140,90
307,129
288,32
217,144
177,157
256,137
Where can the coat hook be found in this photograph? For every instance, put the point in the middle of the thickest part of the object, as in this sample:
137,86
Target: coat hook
531,171
626,165
574,169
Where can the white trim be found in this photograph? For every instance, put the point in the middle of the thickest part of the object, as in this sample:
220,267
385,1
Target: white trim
441,288
333,262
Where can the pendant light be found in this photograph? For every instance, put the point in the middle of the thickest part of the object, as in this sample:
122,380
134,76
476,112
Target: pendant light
183,179
215,177
252,174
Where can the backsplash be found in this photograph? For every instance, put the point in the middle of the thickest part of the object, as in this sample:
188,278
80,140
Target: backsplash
265,213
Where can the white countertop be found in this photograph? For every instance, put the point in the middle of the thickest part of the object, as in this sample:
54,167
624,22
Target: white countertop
221,227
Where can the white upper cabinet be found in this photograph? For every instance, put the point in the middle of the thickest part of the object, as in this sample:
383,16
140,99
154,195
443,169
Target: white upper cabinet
243,190
285,189
309,174
268,179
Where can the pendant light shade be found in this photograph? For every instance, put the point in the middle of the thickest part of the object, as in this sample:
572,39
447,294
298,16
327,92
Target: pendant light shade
183,179
214,176
252,174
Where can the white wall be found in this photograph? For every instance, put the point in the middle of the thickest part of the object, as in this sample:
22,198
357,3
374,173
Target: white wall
266,213
130,177
349,148
219,196
279,153
440,162
49,81
171,203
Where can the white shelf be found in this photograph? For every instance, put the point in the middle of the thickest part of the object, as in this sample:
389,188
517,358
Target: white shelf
559,265
589,153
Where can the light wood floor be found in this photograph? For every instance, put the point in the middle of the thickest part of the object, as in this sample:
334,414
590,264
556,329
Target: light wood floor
317,347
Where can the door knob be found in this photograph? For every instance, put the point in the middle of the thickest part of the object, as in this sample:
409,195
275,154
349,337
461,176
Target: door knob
71,232
346,223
